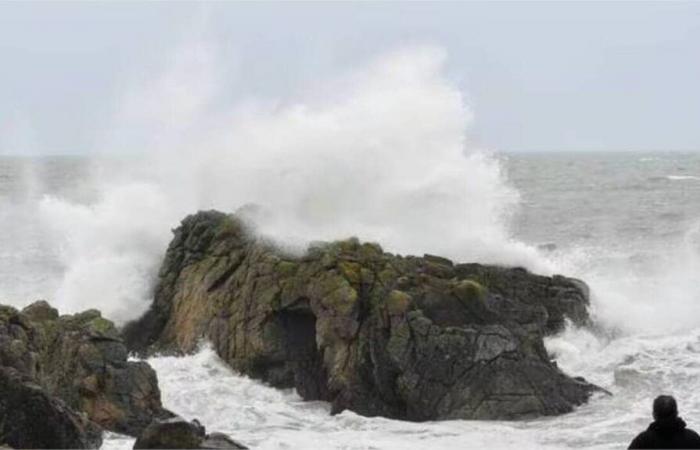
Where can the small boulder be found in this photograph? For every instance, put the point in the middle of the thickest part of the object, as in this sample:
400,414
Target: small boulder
220,440
31,418
40,311
81,360
177,433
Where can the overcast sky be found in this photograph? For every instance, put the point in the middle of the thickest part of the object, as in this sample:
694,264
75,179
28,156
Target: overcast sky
538,76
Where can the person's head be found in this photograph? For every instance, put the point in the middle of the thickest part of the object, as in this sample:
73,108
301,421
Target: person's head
665,407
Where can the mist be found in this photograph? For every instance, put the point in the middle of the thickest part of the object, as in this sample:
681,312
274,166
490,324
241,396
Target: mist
381,154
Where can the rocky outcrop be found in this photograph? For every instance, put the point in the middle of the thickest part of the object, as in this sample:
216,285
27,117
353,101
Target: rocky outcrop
81,360
30,418
176,432
417,338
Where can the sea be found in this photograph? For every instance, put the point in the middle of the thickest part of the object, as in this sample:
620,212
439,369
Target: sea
89,233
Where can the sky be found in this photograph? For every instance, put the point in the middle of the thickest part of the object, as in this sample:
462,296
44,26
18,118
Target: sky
538,76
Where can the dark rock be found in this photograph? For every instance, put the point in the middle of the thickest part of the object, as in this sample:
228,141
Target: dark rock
30,418
81,360
40,311
404,337
177,433
220,440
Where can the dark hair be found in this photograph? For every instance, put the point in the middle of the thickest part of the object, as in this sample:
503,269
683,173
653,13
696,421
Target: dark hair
665,407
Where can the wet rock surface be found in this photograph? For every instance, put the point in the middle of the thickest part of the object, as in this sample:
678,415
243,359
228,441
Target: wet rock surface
417,338
30,418
81,361
176,432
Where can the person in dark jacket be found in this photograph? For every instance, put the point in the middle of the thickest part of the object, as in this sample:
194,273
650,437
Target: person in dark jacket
667,430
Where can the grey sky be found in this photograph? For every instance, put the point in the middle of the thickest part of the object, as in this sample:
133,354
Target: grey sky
539,76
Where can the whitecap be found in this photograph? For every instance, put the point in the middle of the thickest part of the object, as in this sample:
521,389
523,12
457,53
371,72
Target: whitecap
682,177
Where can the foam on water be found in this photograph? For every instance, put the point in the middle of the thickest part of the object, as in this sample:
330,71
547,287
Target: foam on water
202,386
683,177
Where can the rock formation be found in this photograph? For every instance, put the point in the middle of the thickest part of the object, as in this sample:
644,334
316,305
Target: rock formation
30,418
73,372
176,432
417,338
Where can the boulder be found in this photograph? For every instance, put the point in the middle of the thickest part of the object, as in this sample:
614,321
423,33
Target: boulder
30,418
416,338
81,360
178,433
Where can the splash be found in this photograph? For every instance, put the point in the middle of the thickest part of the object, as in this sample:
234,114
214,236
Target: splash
638,290
380,153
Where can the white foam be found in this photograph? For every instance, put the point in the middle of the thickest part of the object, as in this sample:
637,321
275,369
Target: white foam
682,177
201,386
382,155
657,293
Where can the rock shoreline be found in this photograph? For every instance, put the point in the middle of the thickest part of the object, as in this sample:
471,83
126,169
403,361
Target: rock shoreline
65,379
405,337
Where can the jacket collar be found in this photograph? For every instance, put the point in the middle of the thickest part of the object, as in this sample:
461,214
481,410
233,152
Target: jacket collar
667,426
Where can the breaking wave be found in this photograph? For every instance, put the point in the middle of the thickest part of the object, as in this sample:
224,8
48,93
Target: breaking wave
383,155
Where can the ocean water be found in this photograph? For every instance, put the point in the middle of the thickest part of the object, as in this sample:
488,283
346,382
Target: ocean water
90,233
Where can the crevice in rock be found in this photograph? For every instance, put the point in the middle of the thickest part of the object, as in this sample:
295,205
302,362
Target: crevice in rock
305,362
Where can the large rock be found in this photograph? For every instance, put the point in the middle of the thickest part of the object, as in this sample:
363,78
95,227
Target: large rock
81,360
416,338
30,418
176,432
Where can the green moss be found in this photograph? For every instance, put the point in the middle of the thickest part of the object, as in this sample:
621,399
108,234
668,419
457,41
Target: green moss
352,271
470,291
387,276
228,227
348,245
82,318
102,326
286,268
328,259
336,294
399,342
367,276
6,312
398,302
343,300
370,250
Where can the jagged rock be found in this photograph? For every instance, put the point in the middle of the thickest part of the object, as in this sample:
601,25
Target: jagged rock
404,337
220,440
81,360
30,418
176,432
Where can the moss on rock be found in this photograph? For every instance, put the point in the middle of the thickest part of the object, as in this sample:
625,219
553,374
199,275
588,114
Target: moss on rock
470,291
418,338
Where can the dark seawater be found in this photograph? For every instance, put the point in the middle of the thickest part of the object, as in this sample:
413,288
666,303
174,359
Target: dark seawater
620,199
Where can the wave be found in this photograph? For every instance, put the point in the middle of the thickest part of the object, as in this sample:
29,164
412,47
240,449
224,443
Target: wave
682,177
353,161
201,386
382,155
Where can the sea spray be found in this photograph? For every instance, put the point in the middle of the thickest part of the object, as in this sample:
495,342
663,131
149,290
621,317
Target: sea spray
382,156
653,289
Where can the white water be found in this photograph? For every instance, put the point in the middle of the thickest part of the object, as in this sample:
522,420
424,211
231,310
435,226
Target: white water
202,387
381,153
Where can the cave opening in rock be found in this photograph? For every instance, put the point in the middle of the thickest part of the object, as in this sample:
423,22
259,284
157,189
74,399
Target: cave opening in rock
302,355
